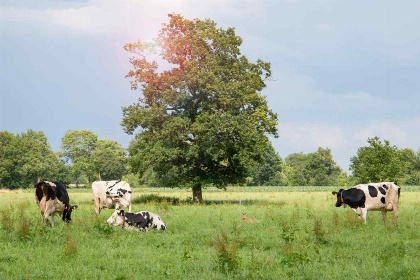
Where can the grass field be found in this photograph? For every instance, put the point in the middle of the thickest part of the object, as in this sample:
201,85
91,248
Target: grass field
298,234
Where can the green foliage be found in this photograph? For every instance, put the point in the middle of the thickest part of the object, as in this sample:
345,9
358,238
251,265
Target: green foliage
147,198
412,159
378,162
9,175
77,147
313,169
320,169
35,159
227,248
267,171
204,120
109,159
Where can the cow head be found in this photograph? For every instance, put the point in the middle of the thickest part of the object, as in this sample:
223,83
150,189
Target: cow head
67,213
117,218
340,200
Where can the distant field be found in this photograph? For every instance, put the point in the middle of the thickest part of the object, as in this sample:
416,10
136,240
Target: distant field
299,234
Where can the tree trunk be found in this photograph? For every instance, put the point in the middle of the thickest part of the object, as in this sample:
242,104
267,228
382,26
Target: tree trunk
39,179
197,194
77,182
99,175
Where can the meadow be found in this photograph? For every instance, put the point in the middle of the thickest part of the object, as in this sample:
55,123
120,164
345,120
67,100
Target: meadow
299,234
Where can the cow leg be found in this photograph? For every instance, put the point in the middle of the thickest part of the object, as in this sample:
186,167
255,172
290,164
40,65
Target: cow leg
396,213
52,219
97,206
364,214
383,212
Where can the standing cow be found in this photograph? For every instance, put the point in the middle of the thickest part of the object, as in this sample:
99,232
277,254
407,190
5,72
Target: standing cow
51,198
111,194
373,196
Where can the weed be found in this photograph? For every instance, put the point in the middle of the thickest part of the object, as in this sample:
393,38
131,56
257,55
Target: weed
24,229
70,247
104,229
319,231
6,221
226,248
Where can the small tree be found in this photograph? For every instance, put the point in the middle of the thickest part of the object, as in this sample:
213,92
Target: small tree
203,120
378,162
109,159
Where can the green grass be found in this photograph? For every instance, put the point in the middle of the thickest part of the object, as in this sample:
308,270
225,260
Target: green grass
298,235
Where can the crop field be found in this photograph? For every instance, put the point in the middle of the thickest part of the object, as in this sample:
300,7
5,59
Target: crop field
298,234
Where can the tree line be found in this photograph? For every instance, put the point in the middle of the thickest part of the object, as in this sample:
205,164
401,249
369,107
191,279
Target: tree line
27,157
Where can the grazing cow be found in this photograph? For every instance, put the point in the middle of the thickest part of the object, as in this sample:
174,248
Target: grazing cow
111,194
51,198
373,196
143,220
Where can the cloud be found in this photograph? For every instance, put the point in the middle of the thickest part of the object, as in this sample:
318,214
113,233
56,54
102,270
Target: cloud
129,17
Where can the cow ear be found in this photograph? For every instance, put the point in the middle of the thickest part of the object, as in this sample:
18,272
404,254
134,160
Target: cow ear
74,207
334,193
121,213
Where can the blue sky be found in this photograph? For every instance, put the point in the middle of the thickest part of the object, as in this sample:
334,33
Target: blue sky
343,70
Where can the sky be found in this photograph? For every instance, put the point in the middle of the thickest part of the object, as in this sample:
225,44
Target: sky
343,71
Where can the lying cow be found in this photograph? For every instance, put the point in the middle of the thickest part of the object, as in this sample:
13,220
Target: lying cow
143,220
373,196
52,198
111,194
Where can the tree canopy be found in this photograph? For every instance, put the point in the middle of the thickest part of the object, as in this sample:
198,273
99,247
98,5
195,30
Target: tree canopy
77,147
378,162
203,120
109,160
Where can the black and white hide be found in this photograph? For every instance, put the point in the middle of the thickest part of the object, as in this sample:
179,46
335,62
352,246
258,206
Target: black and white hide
143,220
52,198
382,196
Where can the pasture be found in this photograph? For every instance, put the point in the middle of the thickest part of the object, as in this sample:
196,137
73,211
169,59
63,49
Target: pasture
298,234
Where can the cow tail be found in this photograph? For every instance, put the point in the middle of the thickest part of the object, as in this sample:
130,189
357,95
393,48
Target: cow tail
399,191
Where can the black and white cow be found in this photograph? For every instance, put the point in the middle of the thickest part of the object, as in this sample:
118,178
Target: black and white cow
111,194
373,196
51,198
143,220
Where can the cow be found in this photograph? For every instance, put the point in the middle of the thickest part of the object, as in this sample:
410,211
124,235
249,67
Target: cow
52,198
373,196
111,194
143,220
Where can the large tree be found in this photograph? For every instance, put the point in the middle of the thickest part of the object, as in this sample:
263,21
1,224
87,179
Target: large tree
201,117
378,162
77,147
109,159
